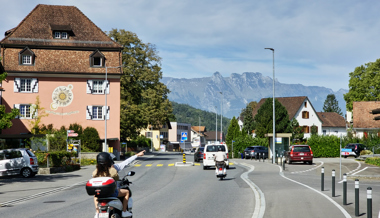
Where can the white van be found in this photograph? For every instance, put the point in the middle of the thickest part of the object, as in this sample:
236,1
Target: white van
209,152
18,161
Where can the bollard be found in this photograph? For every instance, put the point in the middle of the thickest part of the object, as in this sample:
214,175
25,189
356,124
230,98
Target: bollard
344,189
255,156
356,197
184,158
322,178
259,156
369,202
262,154
283,164
333,184
276,158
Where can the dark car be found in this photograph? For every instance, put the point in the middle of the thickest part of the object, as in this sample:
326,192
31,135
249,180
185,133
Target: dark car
352,149
256,152
299,153
198,155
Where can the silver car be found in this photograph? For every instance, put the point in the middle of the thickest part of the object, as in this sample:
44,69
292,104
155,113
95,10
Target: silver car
18,161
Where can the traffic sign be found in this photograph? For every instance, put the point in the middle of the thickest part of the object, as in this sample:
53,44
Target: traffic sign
184,136
70,131
72,134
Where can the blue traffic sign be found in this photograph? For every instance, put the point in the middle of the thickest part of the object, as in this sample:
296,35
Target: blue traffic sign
183,136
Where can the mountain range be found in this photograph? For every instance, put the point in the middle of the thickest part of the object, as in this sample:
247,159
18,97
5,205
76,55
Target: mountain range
233,93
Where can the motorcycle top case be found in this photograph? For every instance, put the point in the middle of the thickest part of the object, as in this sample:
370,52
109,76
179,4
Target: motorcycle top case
101,186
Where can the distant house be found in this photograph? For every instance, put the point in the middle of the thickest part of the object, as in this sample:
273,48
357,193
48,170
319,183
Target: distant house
301,109
364,119
159,136
332,124
176,134
198,136
213,136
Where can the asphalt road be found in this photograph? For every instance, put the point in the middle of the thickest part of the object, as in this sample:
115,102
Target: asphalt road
162,189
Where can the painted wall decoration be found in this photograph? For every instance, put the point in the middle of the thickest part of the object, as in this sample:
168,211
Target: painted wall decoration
62,97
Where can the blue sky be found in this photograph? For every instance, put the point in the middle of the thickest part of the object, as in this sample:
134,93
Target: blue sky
317,43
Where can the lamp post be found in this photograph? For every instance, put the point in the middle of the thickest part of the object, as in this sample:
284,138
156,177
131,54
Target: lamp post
105,114
274,116
221,119
216,124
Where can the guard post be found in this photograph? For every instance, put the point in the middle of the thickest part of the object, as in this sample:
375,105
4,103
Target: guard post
356,197
369,202
344,189
184,158
333,183
322,178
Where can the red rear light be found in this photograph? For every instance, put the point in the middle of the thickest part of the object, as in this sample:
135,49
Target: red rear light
204,156
227,155
291,152
31,161
220,169
103,203
311,152
88,183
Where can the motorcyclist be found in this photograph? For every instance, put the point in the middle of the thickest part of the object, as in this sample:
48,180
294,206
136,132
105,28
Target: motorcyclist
106,167
220,156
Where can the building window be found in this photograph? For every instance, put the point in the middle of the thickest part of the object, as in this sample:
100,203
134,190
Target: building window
27,111
97,112
305,129
97,59
64,35
26,57
305,114
57,35
26,85
305,104
324,132
148,134
98,87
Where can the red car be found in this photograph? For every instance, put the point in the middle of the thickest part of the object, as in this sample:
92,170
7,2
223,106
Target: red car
299,153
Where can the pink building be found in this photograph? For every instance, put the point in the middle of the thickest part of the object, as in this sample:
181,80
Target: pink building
60,55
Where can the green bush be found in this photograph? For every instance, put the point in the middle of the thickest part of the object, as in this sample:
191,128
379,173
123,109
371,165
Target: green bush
366,152
56,158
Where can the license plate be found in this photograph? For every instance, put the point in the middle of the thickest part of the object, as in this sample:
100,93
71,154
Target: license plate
103,215
301,154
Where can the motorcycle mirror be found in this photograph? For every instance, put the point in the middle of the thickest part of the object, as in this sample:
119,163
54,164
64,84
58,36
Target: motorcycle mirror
131,173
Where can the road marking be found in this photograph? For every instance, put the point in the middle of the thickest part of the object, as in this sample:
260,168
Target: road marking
308,169
259,195
170,165
345,213
148,165
352,171
360,170
230,163
159,165
197,164
137,165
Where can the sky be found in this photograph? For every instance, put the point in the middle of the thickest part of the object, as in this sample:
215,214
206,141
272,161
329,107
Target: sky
316,43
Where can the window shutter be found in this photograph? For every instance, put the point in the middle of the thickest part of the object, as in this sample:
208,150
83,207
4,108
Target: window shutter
33,111
16,86
107,86
17,106
89,113
34,85
89,86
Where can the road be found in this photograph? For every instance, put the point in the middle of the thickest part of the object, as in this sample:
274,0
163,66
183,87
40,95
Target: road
161,189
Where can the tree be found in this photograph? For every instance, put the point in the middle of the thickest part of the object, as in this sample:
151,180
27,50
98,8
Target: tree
247,115
297,132
35,122
6,118
364,84
144,98
331,105
233,132
90,139
314,130
264,118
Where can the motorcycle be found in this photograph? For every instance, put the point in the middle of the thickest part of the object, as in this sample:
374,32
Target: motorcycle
103,188
220,169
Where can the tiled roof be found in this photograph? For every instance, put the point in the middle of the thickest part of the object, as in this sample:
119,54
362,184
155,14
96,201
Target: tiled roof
198,128
292,104
331,119
362,114
38,26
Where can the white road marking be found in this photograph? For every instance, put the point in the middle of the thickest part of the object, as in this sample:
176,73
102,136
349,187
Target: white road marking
259,195
309,169
345,213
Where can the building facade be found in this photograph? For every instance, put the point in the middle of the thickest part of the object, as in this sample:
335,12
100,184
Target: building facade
60,56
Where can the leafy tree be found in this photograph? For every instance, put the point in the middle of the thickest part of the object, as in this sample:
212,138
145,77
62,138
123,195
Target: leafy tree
364,84
331,105
233,132
91,139
143,97
297,132
314,130
6,118
264,118
248,122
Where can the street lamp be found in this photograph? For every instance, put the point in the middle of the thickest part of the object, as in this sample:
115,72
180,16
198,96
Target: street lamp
105,114
274,116
216,124
221,119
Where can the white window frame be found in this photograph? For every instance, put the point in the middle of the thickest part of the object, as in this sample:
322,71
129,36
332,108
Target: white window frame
57,35
95,113
26,59
27,111
91,89
100,62
95,109
97,86
25,85
64,35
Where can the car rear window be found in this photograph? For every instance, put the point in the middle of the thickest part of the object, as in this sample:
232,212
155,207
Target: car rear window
201,149
31,154
350,146
301,149
215,148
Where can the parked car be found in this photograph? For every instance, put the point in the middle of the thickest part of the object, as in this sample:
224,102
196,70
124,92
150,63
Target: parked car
209,153
18,161
198,154
299,153
254,151
352,149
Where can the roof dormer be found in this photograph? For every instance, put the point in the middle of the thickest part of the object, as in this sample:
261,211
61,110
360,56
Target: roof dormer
97,59
26,57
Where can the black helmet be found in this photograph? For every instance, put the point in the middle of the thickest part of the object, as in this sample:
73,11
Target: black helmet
104,158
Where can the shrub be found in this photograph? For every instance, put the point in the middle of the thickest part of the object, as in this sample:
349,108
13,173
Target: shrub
366,152
373,161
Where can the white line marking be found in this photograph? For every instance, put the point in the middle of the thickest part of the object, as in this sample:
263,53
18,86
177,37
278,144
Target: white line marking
308,169
259,195
345,213
360,170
